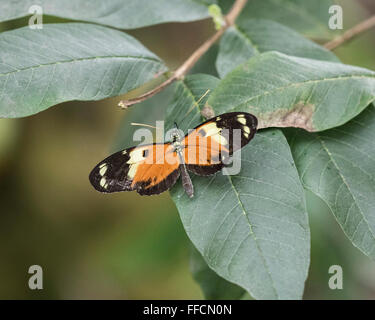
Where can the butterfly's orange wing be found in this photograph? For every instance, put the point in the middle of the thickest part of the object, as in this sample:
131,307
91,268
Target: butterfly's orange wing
148,169
208,145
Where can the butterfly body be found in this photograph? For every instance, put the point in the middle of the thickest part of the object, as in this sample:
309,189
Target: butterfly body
154,168
179,148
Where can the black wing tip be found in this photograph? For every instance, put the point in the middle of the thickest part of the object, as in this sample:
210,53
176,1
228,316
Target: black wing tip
95,178
253,119
106,178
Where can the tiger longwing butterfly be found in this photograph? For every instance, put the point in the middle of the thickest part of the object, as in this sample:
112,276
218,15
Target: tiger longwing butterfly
155,168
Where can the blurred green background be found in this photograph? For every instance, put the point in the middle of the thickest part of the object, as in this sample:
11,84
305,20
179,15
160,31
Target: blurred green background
124,246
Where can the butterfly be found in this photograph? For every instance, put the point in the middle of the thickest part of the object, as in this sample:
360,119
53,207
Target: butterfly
154,168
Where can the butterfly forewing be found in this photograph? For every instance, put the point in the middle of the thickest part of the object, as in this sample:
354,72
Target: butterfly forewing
212,142
148,169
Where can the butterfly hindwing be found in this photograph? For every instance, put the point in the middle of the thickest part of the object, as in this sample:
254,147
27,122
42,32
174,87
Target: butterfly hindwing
148,169
210,143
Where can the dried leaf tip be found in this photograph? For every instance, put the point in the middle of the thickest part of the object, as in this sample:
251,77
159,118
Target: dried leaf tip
207,112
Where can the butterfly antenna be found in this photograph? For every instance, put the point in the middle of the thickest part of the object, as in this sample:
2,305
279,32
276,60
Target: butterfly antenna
196,103
142,125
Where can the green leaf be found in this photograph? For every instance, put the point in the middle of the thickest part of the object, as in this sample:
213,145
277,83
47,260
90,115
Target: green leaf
252,228
308,17
121,14
71,61
338,166
285,91
213,286
255,36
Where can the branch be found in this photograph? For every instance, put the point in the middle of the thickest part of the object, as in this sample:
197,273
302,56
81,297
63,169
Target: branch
230,18
351,33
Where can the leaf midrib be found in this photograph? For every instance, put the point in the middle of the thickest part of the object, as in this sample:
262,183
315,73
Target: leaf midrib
296,84
347,186
253,235
78,60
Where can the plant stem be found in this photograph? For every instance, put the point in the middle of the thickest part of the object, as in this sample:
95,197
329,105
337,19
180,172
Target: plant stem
351,33
230,18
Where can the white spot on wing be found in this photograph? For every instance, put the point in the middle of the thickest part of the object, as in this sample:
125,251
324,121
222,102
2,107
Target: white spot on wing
103,183
246,129
241,120
103,169
136,155
211,129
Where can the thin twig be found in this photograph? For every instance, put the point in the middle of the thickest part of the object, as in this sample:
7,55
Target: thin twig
190,62
351,33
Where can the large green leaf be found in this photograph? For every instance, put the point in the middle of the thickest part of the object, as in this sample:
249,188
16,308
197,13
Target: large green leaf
339,166
285,91
252,228
309,17
122,14
255,36
71,61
